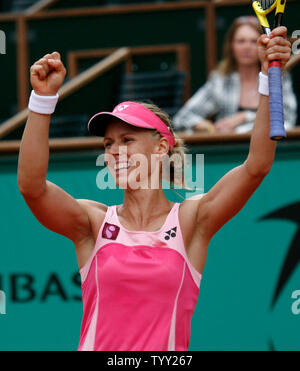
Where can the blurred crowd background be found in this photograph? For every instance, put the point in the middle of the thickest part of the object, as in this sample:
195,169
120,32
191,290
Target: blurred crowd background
195,59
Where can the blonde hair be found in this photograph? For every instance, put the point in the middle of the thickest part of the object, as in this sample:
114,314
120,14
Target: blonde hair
179,147
228,63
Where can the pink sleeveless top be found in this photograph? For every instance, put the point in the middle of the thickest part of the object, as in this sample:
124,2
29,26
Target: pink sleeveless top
139,289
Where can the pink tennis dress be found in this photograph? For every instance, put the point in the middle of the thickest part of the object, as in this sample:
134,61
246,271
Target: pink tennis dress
139,289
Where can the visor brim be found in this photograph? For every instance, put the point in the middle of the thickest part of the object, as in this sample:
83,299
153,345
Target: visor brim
98,123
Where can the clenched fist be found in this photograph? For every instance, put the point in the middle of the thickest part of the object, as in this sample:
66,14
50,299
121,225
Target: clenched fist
275,47
48,74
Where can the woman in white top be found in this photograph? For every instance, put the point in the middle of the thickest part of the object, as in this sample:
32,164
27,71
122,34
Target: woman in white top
230,95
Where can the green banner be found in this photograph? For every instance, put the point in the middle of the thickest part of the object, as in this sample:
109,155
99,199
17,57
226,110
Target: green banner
250,292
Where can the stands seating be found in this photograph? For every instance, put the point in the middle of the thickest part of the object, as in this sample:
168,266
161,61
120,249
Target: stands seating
68,126
84,25
163,88
20,5
119,2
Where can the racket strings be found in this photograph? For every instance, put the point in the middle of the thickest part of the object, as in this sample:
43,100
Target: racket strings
266,4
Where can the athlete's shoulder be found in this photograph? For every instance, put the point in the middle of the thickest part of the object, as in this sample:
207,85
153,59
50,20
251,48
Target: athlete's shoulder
90,204
196,197
192,205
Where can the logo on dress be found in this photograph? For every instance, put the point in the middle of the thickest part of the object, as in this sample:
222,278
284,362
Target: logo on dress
110,231
171,233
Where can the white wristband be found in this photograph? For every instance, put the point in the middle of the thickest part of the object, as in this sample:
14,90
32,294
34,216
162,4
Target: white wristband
44,104
263,87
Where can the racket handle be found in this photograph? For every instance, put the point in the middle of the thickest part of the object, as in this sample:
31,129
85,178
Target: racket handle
277,131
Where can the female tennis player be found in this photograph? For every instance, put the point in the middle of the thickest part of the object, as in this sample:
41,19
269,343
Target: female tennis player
140,262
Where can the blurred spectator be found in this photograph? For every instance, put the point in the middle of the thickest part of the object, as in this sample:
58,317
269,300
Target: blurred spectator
229,99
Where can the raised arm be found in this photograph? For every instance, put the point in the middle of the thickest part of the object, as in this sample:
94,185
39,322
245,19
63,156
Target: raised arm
52,206
233,190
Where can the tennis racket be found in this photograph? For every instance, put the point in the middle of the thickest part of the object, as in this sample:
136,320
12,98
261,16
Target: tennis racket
262,8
